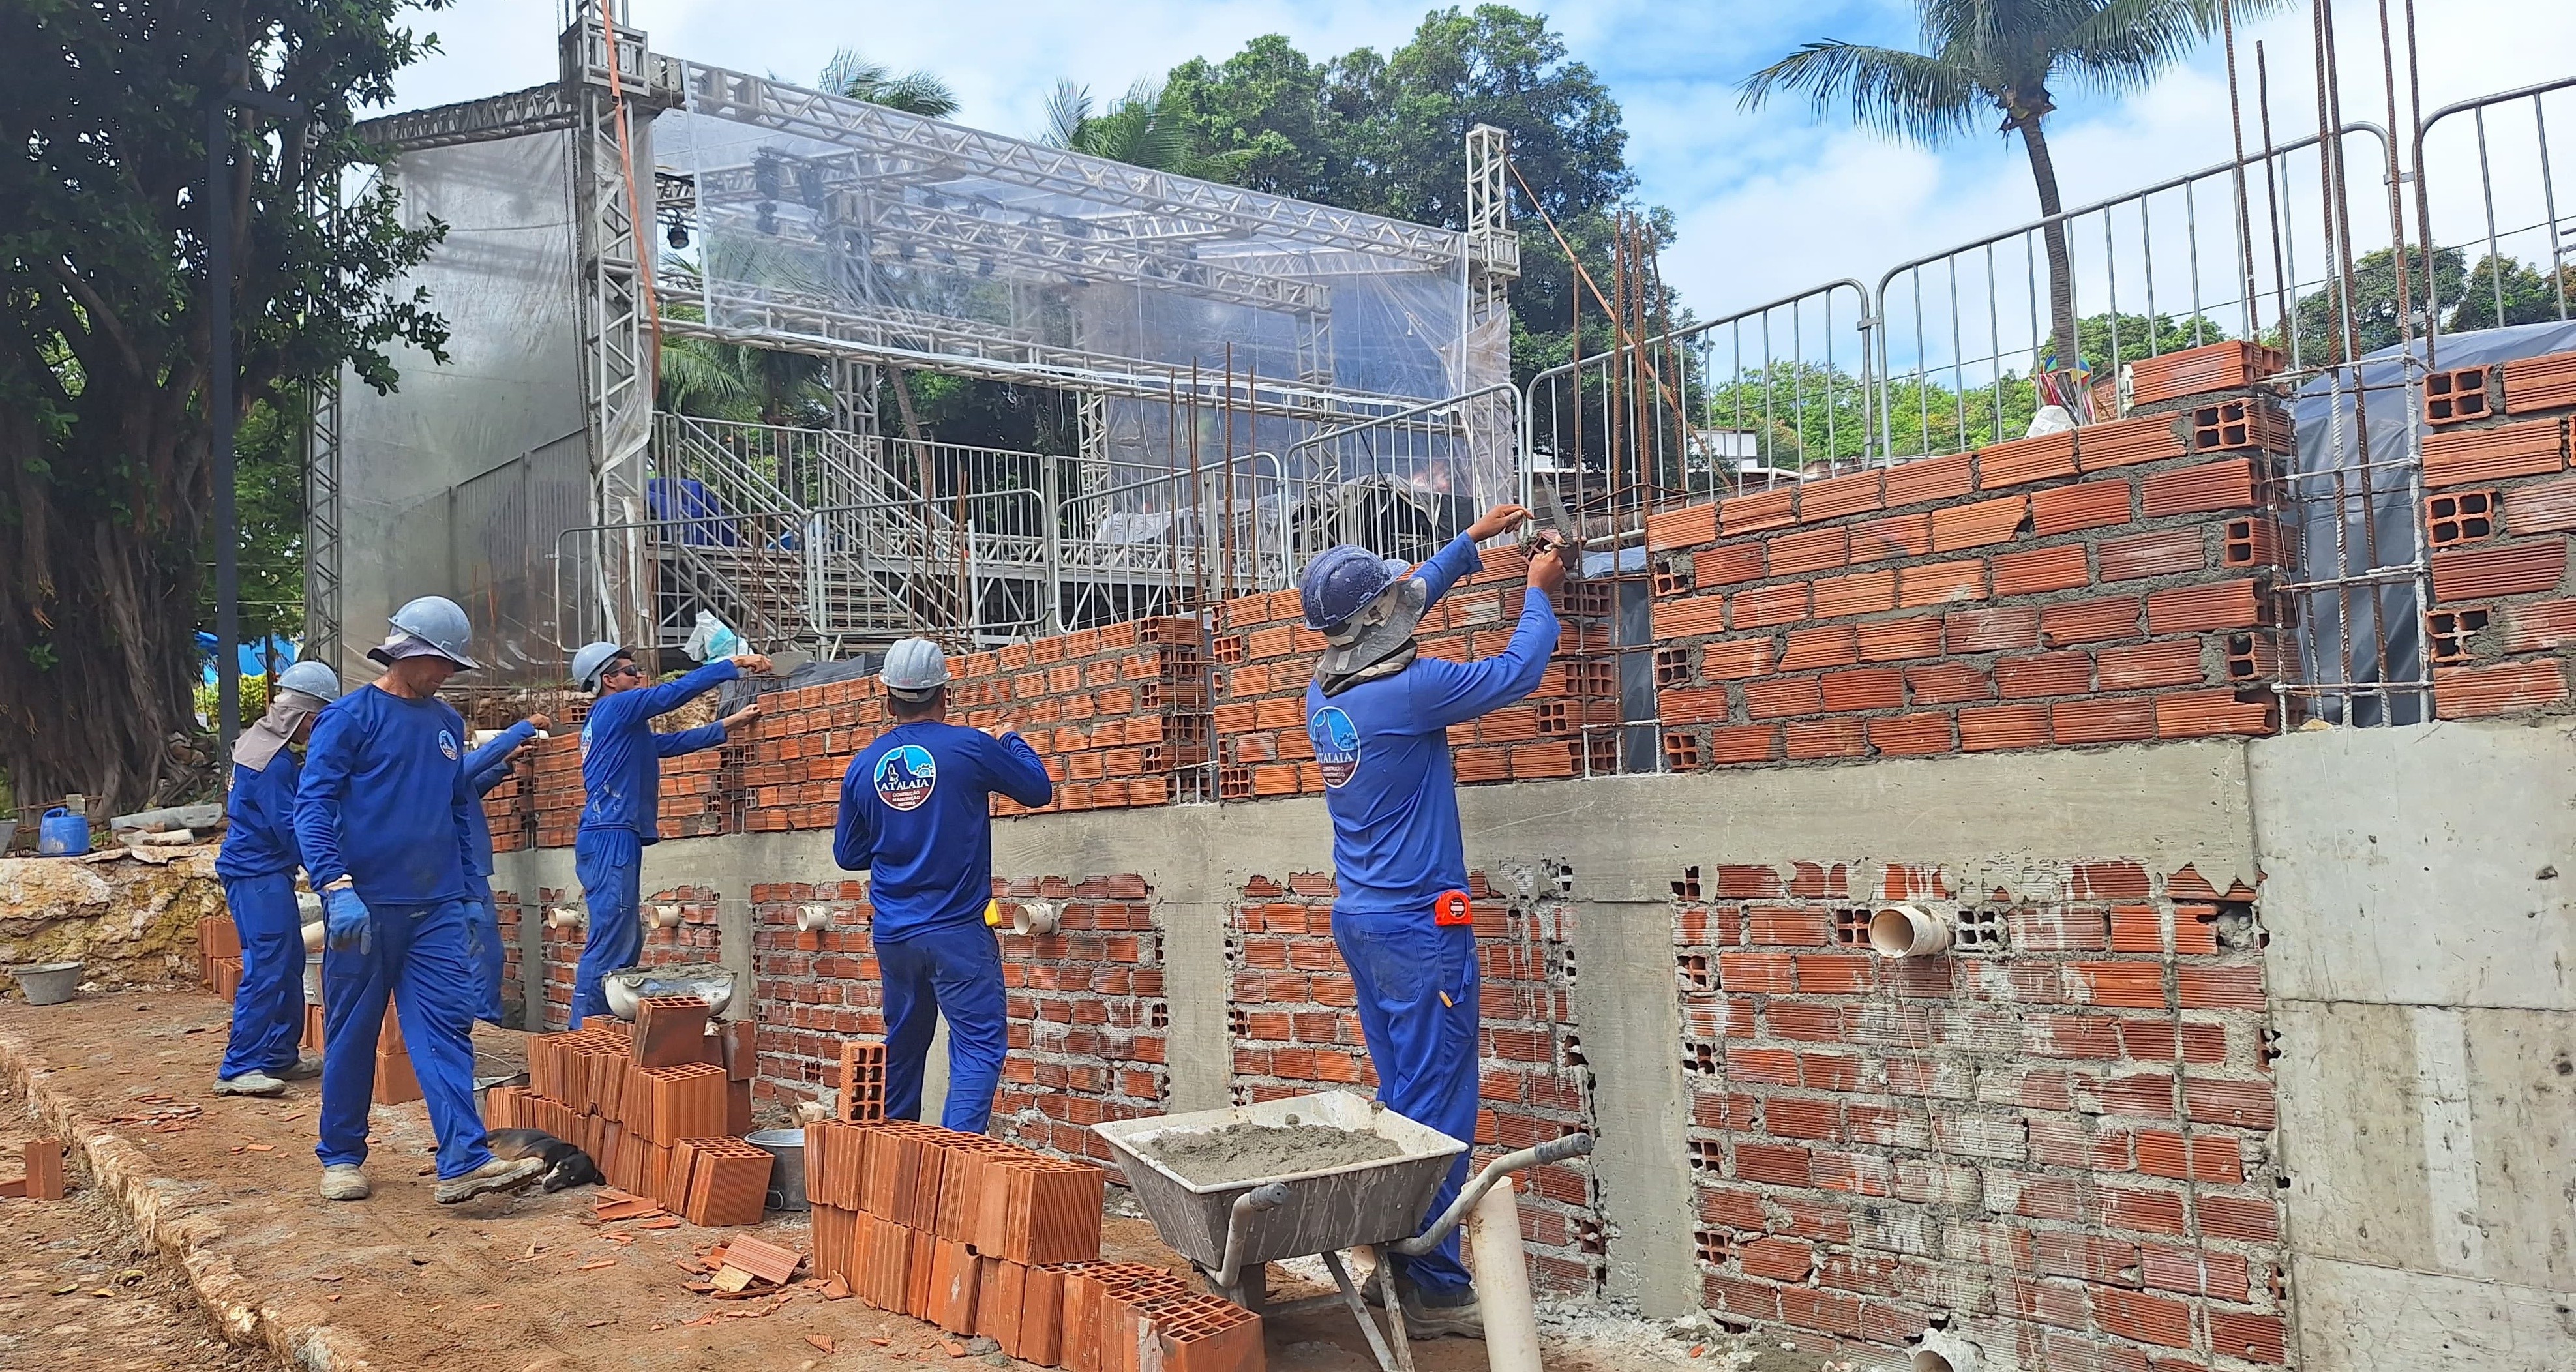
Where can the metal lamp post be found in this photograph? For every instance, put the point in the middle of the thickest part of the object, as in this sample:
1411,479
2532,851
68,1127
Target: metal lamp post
219,387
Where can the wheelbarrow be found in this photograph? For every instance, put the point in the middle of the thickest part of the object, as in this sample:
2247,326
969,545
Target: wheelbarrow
1228,1231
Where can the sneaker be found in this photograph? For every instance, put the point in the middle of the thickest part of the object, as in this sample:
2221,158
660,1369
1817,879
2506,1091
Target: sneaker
1431,1314
306,1067
251,1083
342,1181
497,1175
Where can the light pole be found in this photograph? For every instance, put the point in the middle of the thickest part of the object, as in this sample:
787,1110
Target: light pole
219,392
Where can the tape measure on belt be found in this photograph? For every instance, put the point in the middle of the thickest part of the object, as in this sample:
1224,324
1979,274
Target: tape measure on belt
1451,908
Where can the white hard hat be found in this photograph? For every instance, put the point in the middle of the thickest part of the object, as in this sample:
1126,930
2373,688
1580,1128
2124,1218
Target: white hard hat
436,621
312,678
914,667
591,660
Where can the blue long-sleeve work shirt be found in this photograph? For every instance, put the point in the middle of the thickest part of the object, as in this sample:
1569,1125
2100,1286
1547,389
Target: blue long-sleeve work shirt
486,768
621,756
383,799
1383,746
259,821
916,816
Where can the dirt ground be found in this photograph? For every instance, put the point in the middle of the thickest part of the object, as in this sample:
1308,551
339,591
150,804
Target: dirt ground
78,1289
525,1284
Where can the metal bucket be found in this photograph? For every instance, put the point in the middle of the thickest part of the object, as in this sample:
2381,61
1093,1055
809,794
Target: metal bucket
48,983
787,1173
1328,1209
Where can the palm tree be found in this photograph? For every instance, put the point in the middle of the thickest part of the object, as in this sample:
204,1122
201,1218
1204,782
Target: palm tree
1139,129
2000,54
914,92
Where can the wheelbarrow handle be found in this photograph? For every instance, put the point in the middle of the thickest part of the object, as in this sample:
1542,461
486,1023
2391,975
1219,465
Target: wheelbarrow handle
1554,1150
1239,1222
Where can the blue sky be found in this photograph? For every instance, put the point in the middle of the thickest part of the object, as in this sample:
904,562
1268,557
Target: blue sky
1768,203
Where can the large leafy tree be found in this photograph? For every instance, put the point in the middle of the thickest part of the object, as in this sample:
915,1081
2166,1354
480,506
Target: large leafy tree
103,337
1387,133
1998,58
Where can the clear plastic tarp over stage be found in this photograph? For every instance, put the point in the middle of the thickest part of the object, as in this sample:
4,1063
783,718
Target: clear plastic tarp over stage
833,225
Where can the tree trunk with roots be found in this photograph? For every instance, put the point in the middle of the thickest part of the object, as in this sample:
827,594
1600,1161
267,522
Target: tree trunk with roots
105,470
2061,263
98,637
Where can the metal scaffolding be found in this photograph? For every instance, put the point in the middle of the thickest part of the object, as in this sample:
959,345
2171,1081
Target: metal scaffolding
1199,331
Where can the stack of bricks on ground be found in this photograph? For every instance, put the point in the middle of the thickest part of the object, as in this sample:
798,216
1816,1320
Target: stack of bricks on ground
43,1178
219,968
660,1106
982,1237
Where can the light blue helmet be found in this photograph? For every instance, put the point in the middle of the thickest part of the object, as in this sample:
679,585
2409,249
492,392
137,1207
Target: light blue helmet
593,659
914,667
314,679
433,620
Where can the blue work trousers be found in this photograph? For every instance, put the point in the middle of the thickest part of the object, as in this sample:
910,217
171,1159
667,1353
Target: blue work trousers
609,864
484,947
1418,1010
268,1011
955,971
418,955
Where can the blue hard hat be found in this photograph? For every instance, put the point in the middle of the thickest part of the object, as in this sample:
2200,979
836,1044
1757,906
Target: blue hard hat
1341,582
434,620
314,679
591,661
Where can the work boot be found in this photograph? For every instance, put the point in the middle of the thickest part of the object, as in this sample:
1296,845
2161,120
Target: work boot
497,1175
1430,1314
306,1067
250,1083
342,1181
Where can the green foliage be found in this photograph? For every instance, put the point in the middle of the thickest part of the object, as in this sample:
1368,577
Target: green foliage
103,205
268,478
915,92
1144,128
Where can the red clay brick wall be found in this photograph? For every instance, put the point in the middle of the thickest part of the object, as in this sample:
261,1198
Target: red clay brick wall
2106,585
2060,1136
1089,1020
2498,509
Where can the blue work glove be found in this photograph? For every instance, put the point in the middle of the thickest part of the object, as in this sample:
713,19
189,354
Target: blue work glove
344,920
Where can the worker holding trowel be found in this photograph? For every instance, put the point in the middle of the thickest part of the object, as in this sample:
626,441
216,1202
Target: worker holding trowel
1379,716
621,771
380,814
916,816
257,867
485,769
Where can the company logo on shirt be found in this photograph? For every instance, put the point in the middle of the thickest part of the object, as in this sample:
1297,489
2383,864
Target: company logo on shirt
447,744
1337,744
906,776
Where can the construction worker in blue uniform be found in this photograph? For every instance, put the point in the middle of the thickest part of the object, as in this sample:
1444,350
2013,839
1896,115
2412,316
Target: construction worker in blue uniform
916,815
485,769
1379,716
257,867
381,815
621,771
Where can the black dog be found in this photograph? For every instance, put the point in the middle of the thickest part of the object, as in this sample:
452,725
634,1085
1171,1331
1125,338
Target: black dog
566,1165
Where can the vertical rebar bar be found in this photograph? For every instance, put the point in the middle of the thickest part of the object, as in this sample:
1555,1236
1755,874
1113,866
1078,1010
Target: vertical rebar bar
1226,531
2236,132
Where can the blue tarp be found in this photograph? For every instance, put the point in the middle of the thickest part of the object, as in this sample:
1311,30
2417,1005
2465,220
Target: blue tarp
255,654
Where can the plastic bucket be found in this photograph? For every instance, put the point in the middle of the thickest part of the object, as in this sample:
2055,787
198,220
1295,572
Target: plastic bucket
48,983
787,1174
62,834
